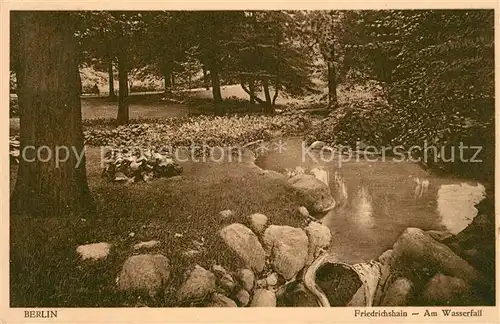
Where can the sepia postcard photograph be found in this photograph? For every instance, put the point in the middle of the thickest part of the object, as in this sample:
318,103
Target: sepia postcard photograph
167,159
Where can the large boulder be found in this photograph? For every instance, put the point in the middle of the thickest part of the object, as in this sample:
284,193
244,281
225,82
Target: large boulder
386,257
416,250
313,193
144,273
200,283
399,293
288,248
439,236
263,298
242,241
319,237
444,290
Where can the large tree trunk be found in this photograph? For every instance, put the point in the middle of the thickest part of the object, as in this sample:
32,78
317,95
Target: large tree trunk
214,75
206,81
278,61
79,80
172,77
332,86
251,92
111,81
167,78
268,107
123,103
251,87
50,119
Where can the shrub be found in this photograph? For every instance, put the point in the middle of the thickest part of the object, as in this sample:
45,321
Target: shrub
202,130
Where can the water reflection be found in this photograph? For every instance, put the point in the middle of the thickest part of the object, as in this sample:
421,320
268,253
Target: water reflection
341,196
421,187
455,204
377,201
363,209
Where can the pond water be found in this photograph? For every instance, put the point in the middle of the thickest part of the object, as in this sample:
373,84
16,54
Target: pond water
378,200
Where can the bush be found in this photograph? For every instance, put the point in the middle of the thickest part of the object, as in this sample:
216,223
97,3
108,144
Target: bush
383,125
202,130
369,122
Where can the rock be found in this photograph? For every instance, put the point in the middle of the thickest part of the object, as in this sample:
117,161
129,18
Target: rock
272,279
304,212
242,241
144,272
317,145
94,251
227,283
258,222
146,245
385,258
296,295
479,235
417,250
319,237
219,300
243,297
321,175
246,278
444,290
398,293
263,298
288,248
439,236
313,193
224,278
219,270
261,283
226,214
370,274
199,284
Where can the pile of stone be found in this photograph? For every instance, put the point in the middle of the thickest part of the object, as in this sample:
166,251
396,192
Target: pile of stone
123,165
279,265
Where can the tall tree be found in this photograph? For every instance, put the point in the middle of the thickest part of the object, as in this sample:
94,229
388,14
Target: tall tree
112,36
50,117
215,34
326,30
269,54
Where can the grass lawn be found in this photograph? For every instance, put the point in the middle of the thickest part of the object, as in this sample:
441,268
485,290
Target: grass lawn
148,106
141,106
45,270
